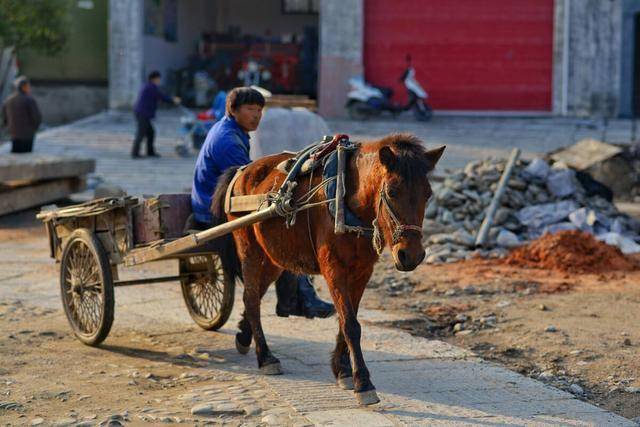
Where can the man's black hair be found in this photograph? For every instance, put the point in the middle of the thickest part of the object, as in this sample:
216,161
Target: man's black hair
243,96
20,82
153,75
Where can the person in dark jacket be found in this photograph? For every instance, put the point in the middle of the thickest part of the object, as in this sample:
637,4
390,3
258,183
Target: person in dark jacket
21,116
145,111
227,145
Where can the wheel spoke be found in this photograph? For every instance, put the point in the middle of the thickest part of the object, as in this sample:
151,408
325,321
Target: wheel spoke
85,263
94,288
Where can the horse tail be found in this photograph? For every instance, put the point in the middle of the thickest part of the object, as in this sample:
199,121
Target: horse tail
225,245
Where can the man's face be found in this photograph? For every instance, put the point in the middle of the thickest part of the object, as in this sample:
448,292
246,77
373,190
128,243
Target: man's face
248,116
26,88
156,81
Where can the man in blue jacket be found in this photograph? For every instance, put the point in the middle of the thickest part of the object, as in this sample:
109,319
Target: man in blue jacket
145,110
227,145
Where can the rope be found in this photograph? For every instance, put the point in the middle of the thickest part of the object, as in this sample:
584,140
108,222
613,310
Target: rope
312,192
378,239
313,246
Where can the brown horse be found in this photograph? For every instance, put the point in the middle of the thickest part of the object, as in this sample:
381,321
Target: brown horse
386,180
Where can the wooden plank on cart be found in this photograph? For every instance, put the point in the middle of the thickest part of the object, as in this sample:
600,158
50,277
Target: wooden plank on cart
13,199
37,167
160,217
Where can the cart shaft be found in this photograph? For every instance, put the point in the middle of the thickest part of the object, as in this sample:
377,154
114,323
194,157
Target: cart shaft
154,253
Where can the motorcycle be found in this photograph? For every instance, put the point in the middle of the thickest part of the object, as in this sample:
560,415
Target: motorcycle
365,101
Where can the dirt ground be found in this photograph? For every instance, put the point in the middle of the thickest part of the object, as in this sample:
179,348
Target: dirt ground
134,378
575,332
578,332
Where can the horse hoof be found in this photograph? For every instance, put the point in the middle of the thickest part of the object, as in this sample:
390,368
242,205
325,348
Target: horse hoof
367,397
271,369
345,383
242,349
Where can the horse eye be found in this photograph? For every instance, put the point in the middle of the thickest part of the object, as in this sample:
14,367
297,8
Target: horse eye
392,192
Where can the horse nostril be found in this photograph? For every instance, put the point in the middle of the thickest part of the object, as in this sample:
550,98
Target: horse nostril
402,257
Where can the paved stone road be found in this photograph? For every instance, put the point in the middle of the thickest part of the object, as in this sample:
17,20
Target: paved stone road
420,382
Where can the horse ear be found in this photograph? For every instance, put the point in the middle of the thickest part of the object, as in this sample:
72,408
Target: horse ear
387,158
433,156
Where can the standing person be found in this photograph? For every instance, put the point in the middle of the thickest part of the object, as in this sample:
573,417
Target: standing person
145,111
22,116
227,145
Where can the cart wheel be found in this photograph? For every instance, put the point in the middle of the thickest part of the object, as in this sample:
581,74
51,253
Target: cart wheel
209,292
86,286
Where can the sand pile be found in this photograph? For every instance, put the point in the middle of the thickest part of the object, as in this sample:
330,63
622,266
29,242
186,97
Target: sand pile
572,252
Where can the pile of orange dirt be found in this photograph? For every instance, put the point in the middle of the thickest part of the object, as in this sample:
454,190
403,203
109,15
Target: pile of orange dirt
571,252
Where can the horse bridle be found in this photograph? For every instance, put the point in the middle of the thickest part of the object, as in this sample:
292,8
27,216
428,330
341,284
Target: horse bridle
398,227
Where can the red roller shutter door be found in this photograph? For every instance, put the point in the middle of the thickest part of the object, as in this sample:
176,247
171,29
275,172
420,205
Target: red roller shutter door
468,54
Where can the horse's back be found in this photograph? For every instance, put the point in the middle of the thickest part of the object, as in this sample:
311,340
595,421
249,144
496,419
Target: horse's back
260,171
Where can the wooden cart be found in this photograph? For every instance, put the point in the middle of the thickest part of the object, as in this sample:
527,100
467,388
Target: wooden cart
92,239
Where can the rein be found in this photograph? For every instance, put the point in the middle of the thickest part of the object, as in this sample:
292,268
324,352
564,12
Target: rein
398,227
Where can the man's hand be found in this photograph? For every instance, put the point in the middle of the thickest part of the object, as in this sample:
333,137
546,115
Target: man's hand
177,100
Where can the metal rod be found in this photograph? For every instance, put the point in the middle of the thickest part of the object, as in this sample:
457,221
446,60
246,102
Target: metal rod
150,280
495,202
194,240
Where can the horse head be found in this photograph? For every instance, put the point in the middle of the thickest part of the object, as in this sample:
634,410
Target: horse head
402,197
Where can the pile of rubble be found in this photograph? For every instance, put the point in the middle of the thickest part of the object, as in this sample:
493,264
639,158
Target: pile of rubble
539,198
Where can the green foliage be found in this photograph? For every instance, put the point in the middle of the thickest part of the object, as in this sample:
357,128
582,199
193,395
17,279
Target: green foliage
41,25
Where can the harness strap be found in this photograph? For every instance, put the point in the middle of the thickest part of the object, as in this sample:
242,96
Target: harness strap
227,196
398,227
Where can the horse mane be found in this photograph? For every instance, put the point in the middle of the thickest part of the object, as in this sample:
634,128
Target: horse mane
411,160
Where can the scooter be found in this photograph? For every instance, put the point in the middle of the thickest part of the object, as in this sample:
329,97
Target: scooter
365,101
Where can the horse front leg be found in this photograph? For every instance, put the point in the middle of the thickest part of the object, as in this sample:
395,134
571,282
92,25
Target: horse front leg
346,294
258,273
340,363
